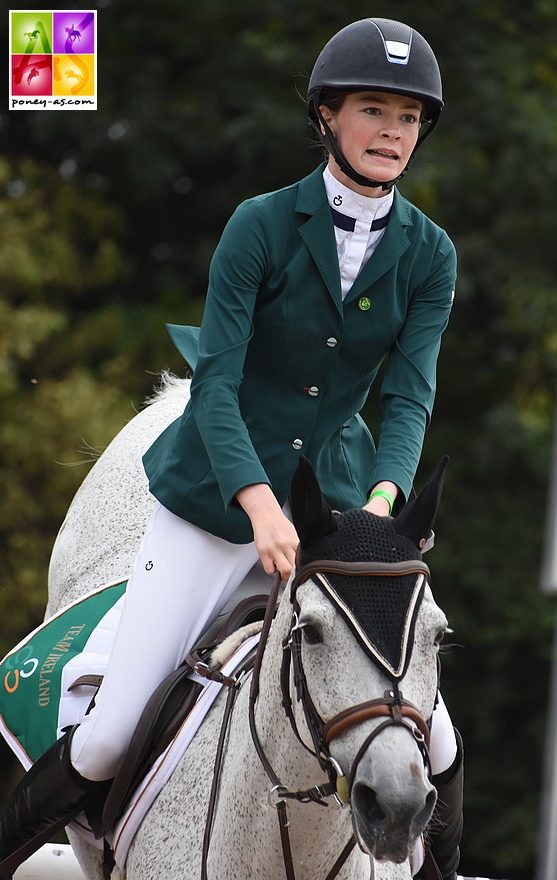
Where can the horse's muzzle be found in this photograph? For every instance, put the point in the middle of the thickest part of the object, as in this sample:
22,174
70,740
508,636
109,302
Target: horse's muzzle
384,827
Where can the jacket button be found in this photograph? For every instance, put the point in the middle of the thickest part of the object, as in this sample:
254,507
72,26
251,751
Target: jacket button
331,341
297,444
313,390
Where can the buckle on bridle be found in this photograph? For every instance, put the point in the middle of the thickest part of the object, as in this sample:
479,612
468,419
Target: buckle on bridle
275,795
342,793
293,627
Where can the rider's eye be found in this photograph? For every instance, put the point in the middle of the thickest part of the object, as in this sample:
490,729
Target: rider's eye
312,634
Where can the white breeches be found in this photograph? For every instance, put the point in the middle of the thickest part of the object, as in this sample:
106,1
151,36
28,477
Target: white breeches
181,579
442,743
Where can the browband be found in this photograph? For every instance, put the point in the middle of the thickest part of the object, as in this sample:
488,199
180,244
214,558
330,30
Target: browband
359,569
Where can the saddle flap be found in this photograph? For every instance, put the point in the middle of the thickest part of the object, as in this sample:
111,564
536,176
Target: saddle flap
166,710
160,720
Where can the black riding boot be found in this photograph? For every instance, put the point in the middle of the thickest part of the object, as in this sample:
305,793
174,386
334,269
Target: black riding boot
446,828
48,797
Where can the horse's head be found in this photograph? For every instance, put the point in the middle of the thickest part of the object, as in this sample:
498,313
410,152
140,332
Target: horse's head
364,616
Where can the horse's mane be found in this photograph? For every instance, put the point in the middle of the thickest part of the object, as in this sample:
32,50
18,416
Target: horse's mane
168,387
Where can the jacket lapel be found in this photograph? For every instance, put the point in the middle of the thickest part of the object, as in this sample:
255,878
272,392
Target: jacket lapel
318,231
389,250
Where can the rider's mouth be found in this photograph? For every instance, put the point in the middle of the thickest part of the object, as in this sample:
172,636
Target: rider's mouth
383,154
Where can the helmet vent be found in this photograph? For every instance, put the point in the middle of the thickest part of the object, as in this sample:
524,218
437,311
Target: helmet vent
397,39
397,53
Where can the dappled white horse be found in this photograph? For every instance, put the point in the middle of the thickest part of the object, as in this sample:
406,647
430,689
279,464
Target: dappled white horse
391,797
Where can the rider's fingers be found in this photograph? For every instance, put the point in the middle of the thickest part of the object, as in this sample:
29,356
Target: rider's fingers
268,564
284,566
273,562
277,553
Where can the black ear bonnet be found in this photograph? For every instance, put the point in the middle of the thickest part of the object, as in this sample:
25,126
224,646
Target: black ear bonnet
380,610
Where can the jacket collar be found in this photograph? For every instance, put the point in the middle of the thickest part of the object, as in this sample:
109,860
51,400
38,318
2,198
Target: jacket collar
319,237
318,231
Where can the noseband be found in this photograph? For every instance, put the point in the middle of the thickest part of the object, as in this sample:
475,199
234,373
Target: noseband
392,707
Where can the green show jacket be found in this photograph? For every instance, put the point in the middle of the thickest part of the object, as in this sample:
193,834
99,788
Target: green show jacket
284,365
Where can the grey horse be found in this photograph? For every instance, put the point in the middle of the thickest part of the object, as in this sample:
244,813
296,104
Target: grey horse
392,797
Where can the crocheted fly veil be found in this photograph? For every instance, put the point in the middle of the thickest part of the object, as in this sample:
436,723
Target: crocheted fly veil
380,610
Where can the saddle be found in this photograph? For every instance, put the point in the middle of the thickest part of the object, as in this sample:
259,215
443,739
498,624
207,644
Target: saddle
169,705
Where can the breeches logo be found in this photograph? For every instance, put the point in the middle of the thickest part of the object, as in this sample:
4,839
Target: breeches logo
53,60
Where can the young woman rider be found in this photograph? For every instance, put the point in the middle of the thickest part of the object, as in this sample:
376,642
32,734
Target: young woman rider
310,288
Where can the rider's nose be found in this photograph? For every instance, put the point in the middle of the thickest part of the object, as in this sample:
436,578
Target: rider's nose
390,131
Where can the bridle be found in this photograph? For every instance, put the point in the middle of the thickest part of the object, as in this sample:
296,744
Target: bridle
392,707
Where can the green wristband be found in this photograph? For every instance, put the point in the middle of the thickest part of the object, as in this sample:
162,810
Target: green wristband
380,493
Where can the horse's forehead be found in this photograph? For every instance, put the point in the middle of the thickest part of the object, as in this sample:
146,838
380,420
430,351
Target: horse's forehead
393,617
314,602
366,679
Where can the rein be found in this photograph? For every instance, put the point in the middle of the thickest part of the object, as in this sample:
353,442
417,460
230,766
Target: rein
279,793
233,685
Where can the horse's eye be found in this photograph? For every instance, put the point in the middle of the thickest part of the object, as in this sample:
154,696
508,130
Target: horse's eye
312,634
440,636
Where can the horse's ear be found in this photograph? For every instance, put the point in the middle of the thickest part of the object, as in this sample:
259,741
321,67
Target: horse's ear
416,519
311,515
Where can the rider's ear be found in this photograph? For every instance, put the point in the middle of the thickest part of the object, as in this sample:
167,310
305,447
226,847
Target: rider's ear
311,515
416,519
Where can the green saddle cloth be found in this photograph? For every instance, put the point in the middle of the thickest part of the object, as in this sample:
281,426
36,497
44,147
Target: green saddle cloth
31,673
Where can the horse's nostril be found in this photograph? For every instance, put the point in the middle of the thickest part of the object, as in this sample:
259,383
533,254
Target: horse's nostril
365,801
424,815
430,800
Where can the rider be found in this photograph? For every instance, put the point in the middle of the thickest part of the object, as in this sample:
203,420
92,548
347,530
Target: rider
310,288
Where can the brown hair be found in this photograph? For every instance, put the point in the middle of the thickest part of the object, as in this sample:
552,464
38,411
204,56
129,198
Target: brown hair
332,99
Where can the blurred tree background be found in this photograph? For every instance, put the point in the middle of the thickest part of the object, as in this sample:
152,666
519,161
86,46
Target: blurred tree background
109,219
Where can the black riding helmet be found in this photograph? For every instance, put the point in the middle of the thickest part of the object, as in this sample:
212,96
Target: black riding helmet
379,55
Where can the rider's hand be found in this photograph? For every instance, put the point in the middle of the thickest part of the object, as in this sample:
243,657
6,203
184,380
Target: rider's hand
275,537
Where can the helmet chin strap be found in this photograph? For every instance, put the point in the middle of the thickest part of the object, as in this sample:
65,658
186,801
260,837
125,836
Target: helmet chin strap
329,141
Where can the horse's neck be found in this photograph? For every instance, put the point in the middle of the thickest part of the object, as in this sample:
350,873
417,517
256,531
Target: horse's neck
243,816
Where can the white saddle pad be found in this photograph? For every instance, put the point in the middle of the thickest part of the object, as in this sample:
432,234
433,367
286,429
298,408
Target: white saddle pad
162,769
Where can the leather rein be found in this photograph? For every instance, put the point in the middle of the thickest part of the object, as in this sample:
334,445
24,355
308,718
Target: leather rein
392,707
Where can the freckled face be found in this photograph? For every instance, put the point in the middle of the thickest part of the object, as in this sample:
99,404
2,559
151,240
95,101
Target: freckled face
376,131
